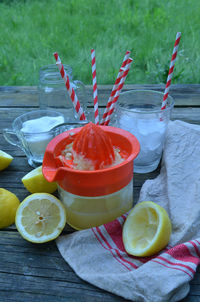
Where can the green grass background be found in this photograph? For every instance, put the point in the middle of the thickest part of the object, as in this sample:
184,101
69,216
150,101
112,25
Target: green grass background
32,30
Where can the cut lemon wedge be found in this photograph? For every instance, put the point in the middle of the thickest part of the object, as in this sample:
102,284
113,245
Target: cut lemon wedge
41,217
146,230
5,160
35,182
8,207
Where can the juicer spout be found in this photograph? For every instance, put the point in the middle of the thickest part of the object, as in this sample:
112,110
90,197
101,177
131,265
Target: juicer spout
49,167
52,167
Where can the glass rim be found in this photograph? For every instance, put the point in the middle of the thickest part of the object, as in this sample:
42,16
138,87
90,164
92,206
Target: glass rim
53,67
55,128
134,110
32,112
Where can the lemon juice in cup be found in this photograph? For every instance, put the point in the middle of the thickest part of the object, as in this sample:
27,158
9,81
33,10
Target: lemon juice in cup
84,212
93,168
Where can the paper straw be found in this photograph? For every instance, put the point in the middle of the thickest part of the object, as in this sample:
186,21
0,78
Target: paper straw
171,69
70,89
94,82
119,76
121,84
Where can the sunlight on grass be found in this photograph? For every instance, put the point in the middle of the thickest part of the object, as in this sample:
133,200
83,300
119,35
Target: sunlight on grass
32,30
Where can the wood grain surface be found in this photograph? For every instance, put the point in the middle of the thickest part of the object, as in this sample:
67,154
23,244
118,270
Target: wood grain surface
31,272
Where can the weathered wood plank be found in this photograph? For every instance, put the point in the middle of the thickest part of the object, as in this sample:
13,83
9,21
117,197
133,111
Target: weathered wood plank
28,96
23,96
189,115
7,115
45,289
60,296
40,271
191,298
45,275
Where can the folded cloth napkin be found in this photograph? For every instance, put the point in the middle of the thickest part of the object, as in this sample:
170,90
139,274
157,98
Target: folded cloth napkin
98,256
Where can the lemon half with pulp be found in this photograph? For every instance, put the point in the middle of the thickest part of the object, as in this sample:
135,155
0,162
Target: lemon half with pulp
35,182
41,217
146,230
5,160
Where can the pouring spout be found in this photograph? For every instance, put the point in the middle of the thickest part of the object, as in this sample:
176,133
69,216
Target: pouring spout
49,174
49,167
52,167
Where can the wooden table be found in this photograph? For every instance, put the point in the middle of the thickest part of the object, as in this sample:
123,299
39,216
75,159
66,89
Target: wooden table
31,272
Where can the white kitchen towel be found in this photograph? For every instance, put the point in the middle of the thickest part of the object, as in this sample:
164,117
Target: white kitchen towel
98,256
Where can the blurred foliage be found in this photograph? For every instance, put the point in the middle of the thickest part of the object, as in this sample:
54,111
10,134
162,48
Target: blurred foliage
31,30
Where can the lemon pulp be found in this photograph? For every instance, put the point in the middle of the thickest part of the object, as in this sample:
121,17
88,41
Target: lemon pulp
40,217
146,230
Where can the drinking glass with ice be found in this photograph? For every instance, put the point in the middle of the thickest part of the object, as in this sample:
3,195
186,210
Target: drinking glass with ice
139,112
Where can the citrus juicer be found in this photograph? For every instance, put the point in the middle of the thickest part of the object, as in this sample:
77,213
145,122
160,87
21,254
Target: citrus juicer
96,195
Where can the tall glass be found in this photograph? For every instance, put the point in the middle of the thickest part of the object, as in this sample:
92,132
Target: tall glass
139,112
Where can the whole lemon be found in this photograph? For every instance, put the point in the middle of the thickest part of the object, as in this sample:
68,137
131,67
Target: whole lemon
8,207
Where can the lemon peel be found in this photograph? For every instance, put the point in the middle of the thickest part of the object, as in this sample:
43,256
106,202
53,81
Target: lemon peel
5,160
8,207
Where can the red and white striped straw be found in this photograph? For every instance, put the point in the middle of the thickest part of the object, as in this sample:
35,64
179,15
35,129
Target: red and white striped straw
94,82
121,84
119,76
70,89
171,69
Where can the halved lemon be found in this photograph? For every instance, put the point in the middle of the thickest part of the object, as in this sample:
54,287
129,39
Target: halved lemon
146,230
35,182
5,160
41,217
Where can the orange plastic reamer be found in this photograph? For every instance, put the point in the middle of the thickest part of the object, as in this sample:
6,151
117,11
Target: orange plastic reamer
93,143
98,182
